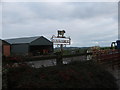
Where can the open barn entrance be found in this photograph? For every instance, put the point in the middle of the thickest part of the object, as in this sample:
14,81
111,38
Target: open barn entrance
40,49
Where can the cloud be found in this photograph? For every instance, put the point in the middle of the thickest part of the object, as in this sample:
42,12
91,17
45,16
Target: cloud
86,23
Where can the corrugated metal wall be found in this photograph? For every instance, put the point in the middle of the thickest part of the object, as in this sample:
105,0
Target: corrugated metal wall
20,49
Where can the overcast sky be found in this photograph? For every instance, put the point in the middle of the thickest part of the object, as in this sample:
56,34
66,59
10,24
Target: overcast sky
87,23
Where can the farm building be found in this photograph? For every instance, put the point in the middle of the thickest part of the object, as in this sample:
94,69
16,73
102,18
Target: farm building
30,45
6,48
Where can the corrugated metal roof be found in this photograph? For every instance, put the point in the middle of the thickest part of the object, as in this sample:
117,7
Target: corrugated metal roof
41,41
22,40
5,42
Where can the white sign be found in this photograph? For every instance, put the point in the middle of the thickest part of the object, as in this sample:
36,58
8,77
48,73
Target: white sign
57,41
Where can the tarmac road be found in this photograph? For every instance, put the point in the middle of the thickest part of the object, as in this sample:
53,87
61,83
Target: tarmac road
52,62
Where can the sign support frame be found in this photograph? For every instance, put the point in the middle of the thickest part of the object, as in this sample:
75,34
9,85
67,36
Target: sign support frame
64,41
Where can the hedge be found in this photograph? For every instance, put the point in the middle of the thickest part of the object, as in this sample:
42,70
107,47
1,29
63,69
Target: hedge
76,74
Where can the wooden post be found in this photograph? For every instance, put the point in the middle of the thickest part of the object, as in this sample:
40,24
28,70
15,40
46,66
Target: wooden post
59,56
61,47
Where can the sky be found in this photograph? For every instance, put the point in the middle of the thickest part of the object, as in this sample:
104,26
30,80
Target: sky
87,23
119,20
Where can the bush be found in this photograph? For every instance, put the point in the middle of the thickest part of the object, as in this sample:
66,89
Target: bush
74,75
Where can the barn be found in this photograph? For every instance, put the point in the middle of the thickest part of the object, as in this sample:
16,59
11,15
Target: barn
38,45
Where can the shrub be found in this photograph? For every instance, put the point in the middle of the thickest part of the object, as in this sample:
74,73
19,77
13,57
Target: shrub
74,75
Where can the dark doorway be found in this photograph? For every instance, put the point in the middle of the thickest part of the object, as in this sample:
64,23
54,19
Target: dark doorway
40,50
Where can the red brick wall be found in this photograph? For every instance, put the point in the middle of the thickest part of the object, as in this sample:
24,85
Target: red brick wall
6,50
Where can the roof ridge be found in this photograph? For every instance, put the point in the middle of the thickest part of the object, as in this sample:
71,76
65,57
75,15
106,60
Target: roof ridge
22,40
22,37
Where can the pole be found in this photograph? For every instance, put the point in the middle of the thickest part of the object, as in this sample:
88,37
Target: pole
59,56
61,46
